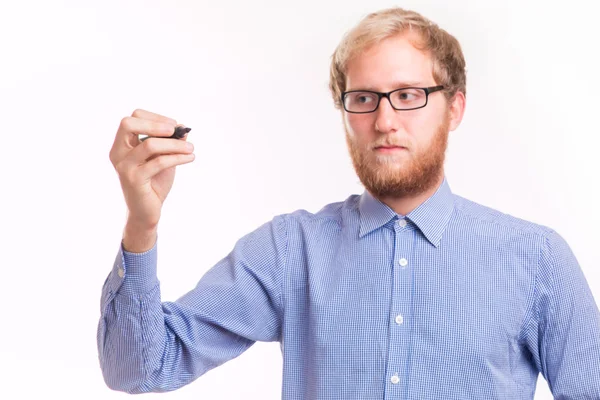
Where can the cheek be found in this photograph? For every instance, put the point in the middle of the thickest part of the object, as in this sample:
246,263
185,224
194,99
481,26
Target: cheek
415,121
358,125
421,127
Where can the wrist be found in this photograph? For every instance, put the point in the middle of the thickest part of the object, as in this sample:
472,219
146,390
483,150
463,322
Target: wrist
138,239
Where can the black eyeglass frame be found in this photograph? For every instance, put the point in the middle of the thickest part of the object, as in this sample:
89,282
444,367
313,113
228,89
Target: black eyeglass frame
428,91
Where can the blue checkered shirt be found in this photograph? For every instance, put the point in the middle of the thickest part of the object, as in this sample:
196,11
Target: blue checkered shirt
453,301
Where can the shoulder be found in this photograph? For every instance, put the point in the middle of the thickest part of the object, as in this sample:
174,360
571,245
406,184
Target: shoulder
481,217
330,214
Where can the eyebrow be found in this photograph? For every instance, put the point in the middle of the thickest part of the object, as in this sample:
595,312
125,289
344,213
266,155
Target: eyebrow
396,85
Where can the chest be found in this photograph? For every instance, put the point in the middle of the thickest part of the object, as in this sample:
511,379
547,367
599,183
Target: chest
361,302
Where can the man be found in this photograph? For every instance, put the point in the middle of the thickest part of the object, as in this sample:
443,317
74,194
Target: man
406,291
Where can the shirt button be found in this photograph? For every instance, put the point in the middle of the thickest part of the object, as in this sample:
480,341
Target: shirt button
403,262
402,223
120,272
395,379
399,319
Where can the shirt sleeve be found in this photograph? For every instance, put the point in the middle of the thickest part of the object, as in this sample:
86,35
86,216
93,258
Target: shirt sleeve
146,345
564,332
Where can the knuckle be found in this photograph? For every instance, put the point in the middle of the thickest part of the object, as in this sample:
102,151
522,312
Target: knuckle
149,145
161,162
137,112
126,123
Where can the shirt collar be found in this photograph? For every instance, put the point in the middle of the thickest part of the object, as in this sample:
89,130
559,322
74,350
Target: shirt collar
431,216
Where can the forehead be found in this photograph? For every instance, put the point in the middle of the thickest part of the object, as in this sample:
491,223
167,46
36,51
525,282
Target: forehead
392,63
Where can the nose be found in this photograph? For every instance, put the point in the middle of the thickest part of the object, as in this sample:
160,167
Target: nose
385,116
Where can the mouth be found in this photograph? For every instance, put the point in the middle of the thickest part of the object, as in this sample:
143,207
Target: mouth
388,149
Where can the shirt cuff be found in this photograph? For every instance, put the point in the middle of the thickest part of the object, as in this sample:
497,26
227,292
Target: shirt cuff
134,274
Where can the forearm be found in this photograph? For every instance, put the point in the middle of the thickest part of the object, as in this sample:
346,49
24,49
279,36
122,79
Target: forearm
129,330
132,334
130,314
144,344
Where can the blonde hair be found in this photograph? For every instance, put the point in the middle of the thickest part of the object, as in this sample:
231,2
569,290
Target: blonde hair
447,56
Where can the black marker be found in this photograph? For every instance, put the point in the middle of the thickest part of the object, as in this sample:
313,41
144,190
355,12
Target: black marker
179,133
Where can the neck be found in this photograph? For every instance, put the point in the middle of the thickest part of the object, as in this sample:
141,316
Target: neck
404,205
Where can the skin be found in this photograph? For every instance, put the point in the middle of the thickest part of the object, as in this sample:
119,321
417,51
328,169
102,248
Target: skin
402,178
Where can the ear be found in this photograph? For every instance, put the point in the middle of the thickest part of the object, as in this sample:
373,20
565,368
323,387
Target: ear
457,110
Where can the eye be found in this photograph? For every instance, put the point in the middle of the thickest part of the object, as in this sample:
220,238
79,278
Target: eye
361,101
409,96
406,96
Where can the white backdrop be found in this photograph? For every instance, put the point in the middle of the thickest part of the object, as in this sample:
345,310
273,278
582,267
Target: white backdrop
250,78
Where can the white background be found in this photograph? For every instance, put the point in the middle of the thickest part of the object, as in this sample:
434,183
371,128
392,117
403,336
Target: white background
250,78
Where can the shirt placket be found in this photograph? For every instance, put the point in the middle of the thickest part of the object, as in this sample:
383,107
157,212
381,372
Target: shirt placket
400,317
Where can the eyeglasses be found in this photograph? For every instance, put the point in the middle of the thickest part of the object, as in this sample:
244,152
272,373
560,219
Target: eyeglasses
408,98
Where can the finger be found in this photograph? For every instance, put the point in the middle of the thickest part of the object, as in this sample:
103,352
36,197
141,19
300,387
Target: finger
131,127
144,114
151,168
180,132
127,138
155,147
